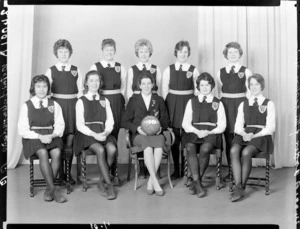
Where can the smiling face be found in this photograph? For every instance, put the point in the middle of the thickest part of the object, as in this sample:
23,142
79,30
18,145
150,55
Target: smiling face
233,55
63,55
183,54
144,54
204,87
109,53
93,83
41,89
255,87
146,86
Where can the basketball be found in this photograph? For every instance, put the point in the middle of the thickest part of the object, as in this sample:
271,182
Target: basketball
150,125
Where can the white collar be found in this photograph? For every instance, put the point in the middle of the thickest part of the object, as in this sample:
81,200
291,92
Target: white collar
105,63
209,97
89,95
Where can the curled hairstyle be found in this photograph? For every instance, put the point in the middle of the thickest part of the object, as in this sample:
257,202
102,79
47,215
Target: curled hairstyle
145,75
108,42
62,43
207,77
37,79
179,46
259,78
143,42
235,45
88,74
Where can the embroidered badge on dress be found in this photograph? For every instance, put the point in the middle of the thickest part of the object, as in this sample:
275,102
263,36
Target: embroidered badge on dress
188,74
74,73
117,69
262,109
241,74
51,109
215,105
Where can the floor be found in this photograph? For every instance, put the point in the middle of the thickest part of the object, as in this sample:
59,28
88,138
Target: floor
136,207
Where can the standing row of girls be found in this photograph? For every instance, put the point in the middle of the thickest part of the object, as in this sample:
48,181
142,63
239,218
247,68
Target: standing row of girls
87,114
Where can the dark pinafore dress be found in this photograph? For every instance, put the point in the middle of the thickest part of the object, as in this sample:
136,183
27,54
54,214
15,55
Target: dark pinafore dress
95,117
205,117
41,121
255,120
64,89
111,90
233,86
181,83
136,72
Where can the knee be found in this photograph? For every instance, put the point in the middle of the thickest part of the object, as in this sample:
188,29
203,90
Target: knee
246,154
42,154
206,150
111,149
55,154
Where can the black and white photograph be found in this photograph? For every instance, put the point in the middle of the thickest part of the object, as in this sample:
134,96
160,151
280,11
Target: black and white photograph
131,114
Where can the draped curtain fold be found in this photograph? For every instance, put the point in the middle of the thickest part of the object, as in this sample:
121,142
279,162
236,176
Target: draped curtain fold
268,37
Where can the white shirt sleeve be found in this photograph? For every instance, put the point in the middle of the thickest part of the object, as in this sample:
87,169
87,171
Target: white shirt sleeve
240,121
79,84
187,118
195,76
165,83
23,124
49,76
129,91
221,123
93,67
270,122
80,121
109,123
59,123
248,73
123,81
218,85
158,81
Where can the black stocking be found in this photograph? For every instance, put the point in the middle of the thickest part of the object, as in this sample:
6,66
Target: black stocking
69,144
175,149
45,167
99,150
235,153
205,150
55,161
247,154
191,151
228,139
111,150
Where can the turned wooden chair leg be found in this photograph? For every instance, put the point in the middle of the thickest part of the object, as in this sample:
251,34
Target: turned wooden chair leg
31,178
83,171
267,176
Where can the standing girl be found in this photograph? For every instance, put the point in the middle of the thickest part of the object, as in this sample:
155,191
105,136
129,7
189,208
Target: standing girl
114,81
41,125
143,50
178,87
94,121
66,87
254,127
232,88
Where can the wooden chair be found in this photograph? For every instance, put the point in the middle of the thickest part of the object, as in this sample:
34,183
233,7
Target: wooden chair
218,178
41,182
266,157
81,169
137,158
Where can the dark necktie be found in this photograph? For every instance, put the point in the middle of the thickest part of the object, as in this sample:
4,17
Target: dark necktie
232,70
63,68
94,97
41,104
180,68
255,102
108,65
144,68
204,99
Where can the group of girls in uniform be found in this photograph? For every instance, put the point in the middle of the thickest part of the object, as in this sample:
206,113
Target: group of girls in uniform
70,112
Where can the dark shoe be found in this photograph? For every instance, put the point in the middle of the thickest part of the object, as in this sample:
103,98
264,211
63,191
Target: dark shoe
200,191
110,192
58,197
102,188
47,195
192,189
238,193
189,181
175,175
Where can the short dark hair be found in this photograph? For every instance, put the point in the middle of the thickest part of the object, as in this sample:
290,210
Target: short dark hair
179,46
259,78
88,74
235,45
145,75
37,79
207,77
62,43
108,42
